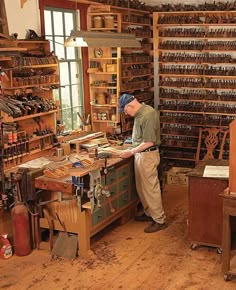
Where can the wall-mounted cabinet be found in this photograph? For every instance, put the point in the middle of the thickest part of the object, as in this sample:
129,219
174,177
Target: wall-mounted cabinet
104,75
195,60
28,110
134,66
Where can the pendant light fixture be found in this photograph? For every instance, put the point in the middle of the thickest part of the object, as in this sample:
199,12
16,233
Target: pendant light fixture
80,38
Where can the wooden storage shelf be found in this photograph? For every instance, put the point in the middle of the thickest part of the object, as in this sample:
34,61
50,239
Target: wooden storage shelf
103,73
135,24
105,105
198,76
196,88
34,115
12,49
38,66
132,63
123,18
198,113
196,125
31,86
30,101
196,24
175,31
179,135
199,100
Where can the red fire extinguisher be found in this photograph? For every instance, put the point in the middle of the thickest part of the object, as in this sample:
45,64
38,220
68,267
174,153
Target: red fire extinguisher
21,228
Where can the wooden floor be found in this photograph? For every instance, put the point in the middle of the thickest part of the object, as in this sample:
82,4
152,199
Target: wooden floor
124,257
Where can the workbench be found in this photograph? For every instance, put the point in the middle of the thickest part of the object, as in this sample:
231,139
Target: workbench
205,216
121,183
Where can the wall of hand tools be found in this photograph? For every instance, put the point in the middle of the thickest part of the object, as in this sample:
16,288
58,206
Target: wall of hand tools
29,73
195,54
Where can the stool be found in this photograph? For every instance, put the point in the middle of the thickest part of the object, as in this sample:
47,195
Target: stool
229,210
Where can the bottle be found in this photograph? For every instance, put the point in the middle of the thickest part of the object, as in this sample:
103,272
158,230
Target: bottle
6,248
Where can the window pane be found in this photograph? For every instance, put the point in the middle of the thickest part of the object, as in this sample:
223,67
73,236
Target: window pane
65,97
70,52
75,95
76,119
48,22
69,23
74,72
58,26
56,94
58,23
59,47
66,119
64,74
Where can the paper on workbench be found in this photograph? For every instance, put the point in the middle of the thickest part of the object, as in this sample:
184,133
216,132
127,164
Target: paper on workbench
216,171
36,163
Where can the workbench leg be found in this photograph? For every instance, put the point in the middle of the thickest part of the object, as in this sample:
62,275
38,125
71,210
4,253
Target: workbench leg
226,243
84,233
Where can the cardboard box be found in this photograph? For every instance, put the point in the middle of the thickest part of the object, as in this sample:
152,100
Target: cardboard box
177,176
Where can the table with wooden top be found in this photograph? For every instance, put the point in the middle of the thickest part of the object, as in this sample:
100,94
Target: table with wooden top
205,216
121,184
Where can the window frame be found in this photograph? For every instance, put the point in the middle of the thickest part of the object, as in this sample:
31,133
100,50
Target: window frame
61,4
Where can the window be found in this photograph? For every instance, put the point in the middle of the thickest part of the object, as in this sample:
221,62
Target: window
58,24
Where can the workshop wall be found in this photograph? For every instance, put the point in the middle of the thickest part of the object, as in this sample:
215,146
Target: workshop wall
20,19
28,17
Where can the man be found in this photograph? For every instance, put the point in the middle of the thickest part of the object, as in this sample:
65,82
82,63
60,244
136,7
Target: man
145,141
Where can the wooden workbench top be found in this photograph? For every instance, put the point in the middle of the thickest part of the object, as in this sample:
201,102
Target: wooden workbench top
64,183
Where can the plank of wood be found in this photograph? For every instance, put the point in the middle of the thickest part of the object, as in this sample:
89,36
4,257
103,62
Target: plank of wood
12,49
82,171
5,36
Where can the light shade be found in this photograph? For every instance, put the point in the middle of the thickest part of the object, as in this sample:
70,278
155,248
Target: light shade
80,38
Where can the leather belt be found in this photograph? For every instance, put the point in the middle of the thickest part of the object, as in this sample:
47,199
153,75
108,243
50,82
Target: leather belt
151,148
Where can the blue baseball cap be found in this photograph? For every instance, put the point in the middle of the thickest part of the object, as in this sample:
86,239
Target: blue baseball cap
124,100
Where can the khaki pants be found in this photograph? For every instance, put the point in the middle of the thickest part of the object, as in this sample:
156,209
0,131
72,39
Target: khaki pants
147,184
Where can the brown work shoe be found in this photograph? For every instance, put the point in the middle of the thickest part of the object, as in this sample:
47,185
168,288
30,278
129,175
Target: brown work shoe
154,227
143,218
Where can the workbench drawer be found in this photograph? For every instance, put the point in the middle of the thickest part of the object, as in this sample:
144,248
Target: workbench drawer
123,185
113,190
123,171
111,177
124,199
115,206
98,216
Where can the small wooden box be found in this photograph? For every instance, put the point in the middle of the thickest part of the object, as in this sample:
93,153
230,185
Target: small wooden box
111,67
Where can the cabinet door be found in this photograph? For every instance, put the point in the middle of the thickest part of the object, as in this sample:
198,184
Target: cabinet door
205,210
